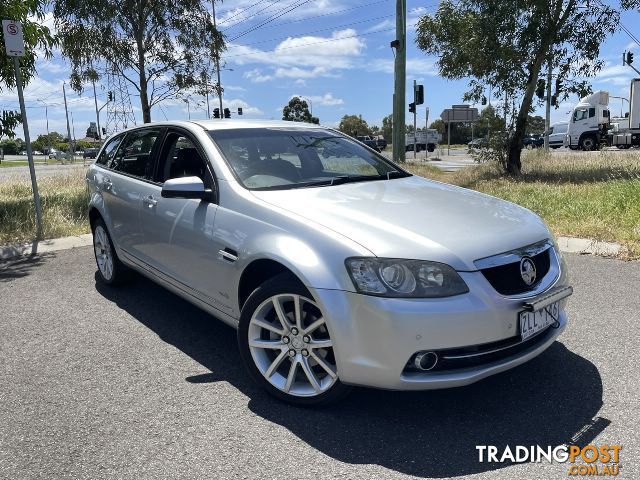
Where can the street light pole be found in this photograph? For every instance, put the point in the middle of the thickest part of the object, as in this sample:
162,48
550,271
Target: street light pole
216,59
399,107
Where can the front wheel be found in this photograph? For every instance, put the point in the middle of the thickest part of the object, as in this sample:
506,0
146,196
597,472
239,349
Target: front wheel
286,346
588,143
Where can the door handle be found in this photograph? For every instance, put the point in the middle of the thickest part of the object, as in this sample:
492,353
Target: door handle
106,183
226,254
150,201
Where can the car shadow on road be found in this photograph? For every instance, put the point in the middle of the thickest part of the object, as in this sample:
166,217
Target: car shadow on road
545,402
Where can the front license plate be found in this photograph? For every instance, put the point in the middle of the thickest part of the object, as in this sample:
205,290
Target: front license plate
534,322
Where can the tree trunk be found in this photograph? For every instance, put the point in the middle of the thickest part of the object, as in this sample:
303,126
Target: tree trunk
514,165
144,96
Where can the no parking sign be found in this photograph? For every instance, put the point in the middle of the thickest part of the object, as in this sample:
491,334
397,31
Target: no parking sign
13,39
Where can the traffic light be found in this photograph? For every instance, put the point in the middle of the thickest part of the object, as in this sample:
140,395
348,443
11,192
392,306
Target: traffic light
110,96
484,100
216,113
629,58
239,110
412,107
540,89
227,113
418,95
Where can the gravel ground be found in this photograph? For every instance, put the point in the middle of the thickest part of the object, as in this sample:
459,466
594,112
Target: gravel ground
136,383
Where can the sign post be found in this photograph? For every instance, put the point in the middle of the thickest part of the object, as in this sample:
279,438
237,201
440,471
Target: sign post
14,43
457,114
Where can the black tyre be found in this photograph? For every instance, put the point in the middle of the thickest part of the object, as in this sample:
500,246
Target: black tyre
588,143
285,344
110,269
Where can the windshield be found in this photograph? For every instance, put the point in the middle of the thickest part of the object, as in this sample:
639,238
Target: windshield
281,158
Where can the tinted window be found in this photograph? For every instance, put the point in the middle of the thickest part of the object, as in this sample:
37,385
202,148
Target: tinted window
180,158
109,150
592,112
286,158
134,155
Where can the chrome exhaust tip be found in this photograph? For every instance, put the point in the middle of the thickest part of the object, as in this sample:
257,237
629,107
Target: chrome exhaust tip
426,361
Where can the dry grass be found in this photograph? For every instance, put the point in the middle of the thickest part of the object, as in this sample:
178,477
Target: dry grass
64,207
592,195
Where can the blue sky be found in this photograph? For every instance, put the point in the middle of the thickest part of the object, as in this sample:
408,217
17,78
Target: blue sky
334,52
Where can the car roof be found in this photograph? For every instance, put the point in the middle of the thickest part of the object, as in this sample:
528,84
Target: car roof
224,124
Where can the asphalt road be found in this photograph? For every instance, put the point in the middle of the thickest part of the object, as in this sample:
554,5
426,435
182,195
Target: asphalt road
41,170
136,383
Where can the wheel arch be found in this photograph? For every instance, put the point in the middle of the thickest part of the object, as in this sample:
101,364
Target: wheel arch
256,273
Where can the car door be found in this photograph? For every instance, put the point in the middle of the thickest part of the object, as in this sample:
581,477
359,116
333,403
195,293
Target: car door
178,232
123,186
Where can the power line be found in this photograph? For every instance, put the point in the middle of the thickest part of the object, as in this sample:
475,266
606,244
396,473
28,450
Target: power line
311,32
248,17
319,42
294,5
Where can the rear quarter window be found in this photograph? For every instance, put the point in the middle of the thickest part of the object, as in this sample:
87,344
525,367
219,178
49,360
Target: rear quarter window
109,150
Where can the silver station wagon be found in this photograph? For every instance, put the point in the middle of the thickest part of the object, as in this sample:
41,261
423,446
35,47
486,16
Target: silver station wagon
336,266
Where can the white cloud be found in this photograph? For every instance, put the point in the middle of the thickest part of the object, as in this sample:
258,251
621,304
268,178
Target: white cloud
256,76
327,99
321,56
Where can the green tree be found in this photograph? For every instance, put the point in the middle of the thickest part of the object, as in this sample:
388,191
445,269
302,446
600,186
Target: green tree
160,47
507,44
354,125
45,142
489,122
297,110
535,125
36,37
387,127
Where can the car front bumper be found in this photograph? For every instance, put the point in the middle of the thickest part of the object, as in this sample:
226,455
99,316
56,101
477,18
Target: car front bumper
375,337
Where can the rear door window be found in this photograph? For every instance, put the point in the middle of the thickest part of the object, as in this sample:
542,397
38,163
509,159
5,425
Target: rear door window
135,155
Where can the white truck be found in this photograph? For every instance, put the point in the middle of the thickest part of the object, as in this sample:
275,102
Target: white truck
424,140
591,124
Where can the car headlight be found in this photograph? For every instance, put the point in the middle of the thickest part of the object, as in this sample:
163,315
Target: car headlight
393,277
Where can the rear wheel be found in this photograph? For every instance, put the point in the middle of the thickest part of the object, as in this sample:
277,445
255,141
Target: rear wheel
110,270
286,346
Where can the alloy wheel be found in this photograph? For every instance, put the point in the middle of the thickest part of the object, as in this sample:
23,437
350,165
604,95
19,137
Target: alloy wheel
291,347
104,253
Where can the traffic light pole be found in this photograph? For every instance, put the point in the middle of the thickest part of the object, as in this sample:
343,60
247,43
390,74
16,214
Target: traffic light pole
95,100
66,111
415,108
400,82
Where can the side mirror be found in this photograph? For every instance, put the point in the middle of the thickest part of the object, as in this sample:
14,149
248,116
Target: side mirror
185,187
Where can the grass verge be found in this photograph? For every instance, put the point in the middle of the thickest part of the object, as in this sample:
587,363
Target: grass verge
590,195
64,207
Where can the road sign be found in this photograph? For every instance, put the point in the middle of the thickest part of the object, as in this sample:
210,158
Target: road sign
459,113
13,39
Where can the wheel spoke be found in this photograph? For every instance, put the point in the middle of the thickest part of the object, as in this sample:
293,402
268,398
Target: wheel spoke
321,343
313,326
292,375
324,364
310,375
268,326
297,311
271,344
276,363
280,313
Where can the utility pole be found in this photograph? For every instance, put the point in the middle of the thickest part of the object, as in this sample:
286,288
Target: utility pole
95,100
547,120
66,111
216,58
400,44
